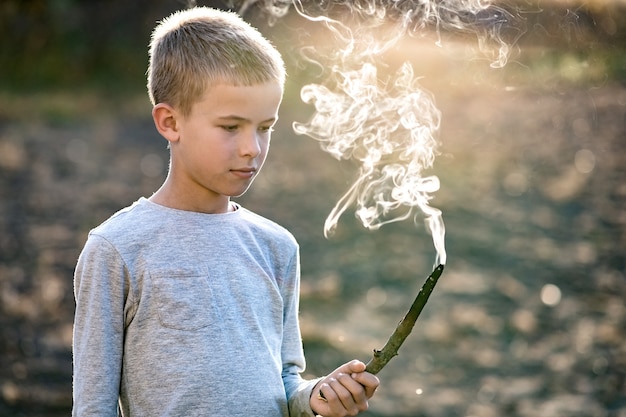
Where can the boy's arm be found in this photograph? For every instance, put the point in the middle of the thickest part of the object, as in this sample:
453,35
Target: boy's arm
101,292
298,390
299,393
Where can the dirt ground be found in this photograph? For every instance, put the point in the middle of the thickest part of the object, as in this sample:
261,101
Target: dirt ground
528,318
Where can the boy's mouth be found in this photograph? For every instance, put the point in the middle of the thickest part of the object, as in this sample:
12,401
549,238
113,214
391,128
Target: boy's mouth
247,172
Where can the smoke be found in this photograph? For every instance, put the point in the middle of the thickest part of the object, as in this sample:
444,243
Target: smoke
389,130
387,125
495,27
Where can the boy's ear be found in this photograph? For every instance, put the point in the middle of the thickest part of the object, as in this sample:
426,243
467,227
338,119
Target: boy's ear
166,122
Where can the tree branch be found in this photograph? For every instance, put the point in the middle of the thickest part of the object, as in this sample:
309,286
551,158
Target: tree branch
383,356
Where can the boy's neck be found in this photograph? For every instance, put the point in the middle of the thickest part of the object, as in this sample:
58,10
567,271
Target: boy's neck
167,197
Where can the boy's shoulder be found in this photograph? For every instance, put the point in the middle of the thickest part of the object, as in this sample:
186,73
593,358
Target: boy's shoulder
120,219
145,220
265,225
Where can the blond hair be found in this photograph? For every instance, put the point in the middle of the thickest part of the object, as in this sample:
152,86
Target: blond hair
195,48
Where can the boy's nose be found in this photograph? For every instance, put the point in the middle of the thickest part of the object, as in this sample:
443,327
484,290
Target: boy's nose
250,144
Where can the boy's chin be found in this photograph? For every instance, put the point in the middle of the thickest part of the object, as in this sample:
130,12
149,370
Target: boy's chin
240,193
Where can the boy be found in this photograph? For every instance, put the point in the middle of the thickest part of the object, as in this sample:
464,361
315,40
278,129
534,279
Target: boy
187,303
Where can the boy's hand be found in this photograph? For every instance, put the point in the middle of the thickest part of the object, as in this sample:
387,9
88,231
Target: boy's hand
345,391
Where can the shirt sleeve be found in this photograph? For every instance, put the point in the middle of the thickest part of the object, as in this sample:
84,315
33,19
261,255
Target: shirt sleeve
298,389
101,293
300,400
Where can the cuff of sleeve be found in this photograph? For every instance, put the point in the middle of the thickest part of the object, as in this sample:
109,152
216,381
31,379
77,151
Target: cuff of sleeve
300,401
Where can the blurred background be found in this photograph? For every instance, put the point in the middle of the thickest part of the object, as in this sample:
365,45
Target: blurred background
529,317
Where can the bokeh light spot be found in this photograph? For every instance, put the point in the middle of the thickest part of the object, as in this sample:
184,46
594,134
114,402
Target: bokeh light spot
584,161
550,295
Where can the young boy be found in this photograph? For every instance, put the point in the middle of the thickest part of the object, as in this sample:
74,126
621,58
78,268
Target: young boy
186,302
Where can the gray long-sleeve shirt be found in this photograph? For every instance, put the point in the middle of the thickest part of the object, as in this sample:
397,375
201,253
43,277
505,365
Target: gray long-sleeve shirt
188,314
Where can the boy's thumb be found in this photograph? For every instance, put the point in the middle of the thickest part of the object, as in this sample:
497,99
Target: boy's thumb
352,367
355,366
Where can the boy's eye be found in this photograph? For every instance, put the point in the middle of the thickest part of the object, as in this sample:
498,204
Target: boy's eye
230,128
235,128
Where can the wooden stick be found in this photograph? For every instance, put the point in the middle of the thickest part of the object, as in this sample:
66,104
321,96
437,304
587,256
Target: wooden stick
383,356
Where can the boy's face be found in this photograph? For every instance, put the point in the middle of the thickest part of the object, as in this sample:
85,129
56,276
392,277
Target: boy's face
223,142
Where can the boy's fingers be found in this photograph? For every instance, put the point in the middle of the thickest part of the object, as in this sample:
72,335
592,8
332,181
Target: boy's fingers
321,395
369,381
346,390
343,395
356,389
332,403
322,405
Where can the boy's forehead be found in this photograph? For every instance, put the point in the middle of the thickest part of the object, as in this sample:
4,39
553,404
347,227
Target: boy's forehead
239,100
